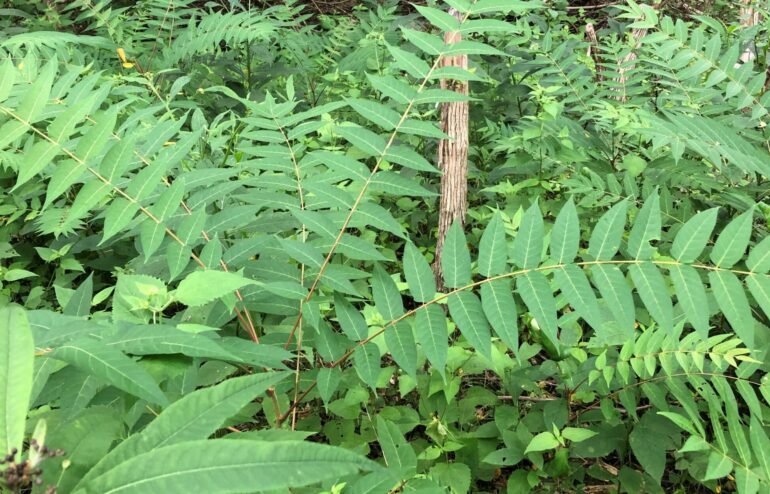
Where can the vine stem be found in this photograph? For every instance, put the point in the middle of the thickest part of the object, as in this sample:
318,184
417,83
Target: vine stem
443,296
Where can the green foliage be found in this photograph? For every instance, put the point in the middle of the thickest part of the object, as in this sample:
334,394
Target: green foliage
217,229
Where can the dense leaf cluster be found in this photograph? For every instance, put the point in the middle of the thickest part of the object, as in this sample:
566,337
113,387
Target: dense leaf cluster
217,227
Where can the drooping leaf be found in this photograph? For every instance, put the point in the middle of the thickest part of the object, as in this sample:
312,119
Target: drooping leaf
691,296
651,287
398,454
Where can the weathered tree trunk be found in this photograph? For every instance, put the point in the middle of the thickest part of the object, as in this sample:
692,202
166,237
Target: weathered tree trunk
452,154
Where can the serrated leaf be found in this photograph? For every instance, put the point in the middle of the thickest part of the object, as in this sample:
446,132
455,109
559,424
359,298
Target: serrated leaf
442,20
407,157
467,312
500,309
428,43
492,248
419,275
733,240
112,366
456,258
202,287
691,239
606,237
17,355
391,87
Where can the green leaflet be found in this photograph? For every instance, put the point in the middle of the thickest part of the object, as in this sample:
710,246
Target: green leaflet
528,243
759,286
351,321
386,296
492,248
430,328
159,339
358,248
691,296
651,287
575,286
646,227
500,310
17,354
389,86
398,185
328,381
428,43
419,275
195,416
467,312
363,139
455,258
759,257
538,296
409,62
398,454
80,302
376,113
442,20
399,339
606,237
366,361
731,298
565,236
112,366
693,236
269,464
732,241
616,293
202,287
409,158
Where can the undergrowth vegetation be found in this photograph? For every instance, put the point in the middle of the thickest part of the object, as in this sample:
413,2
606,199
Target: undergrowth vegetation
217,224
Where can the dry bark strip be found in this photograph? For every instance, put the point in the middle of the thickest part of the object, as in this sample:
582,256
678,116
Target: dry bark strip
452,154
